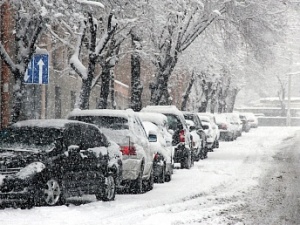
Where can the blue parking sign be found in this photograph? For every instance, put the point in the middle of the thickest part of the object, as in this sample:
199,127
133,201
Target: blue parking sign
38,70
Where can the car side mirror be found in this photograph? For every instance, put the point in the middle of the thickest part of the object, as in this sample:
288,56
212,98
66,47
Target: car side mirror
199,131
152,137
205,127
192,128
73,149
171,131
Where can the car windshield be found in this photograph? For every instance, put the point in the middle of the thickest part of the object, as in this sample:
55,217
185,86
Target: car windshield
30,138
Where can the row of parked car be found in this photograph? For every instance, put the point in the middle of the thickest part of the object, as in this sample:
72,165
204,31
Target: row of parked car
103,152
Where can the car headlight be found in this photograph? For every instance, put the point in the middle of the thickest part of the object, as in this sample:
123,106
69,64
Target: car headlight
30,170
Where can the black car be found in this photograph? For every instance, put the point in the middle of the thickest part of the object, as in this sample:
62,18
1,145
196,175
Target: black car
43,162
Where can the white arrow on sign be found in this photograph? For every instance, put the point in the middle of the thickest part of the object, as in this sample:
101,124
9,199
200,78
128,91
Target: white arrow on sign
41,64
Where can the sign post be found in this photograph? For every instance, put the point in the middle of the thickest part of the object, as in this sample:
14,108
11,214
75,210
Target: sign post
38,73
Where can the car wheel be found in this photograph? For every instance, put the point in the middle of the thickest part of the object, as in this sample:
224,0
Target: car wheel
137,185
150,182
162,176
109,193
217,144
168,177
186,163
48,193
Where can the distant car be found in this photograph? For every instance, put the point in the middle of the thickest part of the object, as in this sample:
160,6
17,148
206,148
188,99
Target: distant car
246,125
43,162
226,129
236,122
181,139
162,153
212,137
196,128
252,119
126,129
161,121
215,129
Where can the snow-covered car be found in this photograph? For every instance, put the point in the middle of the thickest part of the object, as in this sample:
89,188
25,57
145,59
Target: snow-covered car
43,162
196,143
215,129
162,167
236,122
126,129
212,140
197,128
252,119
161,121
226,129
246,125
181,139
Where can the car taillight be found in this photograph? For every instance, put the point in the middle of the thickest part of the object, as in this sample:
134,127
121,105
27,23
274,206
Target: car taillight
128,150
181,136
223,126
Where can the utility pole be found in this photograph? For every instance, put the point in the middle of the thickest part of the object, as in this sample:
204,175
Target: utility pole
288,114
5,36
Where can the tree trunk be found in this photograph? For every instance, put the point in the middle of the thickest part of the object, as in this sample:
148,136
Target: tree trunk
136,86
18,98
232,98
159,88
187,93
86,86
112,89
104,92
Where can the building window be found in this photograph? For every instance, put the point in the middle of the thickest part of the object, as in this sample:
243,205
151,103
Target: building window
57,102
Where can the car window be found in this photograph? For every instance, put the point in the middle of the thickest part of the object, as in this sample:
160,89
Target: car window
138,127
173,121
72,135
93,138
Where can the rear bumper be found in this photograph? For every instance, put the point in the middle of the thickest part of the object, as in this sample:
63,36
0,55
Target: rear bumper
180,153
131,169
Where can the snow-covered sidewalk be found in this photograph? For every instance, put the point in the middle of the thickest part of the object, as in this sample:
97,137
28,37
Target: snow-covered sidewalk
200,195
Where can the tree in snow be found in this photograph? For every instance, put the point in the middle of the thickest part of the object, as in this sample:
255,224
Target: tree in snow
175,25
30,17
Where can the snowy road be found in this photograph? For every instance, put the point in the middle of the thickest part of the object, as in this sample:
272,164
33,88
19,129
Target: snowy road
253,180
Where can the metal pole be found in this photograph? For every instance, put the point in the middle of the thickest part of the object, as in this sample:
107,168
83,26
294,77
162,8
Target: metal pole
288,115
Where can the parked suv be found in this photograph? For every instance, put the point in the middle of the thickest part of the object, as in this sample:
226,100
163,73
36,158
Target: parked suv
200,150
43,162
126,129
181,139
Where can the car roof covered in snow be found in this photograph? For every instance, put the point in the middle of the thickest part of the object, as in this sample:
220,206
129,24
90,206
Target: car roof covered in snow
54,123
156,118
165,109
102,112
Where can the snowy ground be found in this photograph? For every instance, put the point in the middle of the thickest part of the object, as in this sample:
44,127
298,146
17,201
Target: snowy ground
217,190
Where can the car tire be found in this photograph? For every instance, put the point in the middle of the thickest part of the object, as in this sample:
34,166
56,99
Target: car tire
186,163
168,177
137,185
49,193
109,191
161,178
148,184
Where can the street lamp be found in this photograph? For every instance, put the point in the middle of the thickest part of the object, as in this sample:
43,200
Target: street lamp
288,114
